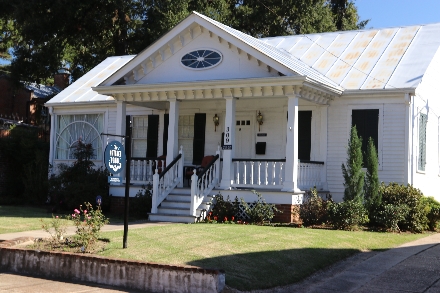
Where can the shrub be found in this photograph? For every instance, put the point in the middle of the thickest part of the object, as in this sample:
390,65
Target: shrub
313,210
56,228
88,223
260,211
389,216
372,195
347,215
224,210
79,182
352,171
432,208
399,195
140,205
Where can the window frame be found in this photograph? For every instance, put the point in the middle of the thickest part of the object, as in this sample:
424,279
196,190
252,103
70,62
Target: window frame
379,130
421,112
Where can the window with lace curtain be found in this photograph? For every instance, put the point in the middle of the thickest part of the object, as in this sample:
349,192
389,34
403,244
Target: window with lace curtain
81,127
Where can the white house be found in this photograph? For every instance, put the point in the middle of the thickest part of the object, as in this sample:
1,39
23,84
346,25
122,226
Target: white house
277,111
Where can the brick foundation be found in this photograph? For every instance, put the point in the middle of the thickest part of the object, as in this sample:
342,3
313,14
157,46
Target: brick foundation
289,213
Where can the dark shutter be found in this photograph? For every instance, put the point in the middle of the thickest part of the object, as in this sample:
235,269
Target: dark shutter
152,136
304,135
199,138
367,125
166,122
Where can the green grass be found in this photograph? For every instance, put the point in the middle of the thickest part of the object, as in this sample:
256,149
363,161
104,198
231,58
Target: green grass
254,257
21,218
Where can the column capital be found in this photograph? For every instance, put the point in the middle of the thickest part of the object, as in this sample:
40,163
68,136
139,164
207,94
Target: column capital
229,98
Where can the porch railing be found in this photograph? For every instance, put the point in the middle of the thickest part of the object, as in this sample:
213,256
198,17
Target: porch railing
270,173
204,183
258,173
309,174
167,180
142,169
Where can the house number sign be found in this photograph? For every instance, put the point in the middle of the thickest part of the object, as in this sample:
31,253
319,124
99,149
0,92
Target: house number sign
227,140
114,157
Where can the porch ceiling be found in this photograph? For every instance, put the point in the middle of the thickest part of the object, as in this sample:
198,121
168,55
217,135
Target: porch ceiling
218,89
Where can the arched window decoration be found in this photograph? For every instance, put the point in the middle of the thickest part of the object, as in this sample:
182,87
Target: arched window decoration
201,59
72,128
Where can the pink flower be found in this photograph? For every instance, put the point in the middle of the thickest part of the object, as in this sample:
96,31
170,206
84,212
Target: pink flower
89,218
85,212
73,215
56,217
76,211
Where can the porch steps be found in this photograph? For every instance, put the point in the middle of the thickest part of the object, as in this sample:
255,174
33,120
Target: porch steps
176,207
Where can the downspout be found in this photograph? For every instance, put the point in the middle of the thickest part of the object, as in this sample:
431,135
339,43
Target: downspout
409,132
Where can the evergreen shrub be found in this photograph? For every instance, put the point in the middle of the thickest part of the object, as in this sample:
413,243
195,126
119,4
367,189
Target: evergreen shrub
314,209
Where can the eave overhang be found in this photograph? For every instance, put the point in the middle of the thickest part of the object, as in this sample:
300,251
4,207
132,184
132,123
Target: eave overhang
217,89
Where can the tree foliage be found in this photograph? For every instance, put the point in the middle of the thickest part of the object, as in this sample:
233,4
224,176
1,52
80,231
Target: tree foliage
372,194
46,35
352,171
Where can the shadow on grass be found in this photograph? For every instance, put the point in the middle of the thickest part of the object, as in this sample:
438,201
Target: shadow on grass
25,211
268,269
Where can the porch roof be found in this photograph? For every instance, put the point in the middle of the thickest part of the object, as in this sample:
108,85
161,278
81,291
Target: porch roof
217,89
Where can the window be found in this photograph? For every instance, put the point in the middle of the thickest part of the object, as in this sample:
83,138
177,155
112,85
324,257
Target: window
139,136
201,59
421,162
367,125
192,137
72,128
186,135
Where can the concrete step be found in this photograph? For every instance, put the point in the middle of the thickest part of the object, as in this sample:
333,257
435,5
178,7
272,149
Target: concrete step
175,204
173,211
160,217
179,197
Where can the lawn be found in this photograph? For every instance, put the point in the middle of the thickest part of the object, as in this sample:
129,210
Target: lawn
254,257
21,218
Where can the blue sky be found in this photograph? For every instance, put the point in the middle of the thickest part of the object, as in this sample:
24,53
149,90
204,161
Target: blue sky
392,13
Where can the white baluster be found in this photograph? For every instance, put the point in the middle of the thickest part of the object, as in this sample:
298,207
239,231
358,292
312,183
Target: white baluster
252,173
266,174
259,172
144,171
244,172
237,180
273,173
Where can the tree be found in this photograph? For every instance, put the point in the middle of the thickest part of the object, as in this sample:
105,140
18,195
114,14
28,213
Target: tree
47,35
372,195
352,171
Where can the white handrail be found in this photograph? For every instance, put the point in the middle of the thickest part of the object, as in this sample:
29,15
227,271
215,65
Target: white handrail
162,186
203,186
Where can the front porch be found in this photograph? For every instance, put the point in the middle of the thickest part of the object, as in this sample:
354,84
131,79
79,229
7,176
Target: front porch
178,202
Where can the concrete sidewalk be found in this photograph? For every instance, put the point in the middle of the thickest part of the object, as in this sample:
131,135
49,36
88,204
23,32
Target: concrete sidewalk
412,267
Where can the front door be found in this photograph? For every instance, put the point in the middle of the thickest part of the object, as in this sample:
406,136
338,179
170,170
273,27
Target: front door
243,138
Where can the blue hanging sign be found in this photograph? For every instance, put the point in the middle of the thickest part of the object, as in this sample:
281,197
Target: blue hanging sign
114,157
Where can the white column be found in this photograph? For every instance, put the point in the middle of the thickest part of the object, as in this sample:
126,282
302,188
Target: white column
120,118
120,129
160,131
173,128
229,142
291,172
52,145
323,143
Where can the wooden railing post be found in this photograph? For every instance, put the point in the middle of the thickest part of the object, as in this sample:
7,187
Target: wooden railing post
154,200
194,193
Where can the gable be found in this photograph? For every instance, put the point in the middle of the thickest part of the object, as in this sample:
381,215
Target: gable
234,64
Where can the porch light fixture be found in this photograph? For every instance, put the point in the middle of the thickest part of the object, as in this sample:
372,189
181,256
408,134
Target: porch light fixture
259,120
216,121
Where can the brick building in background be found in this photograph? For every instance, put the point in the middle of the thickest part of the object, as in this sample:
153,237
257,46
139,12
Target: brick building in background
25,103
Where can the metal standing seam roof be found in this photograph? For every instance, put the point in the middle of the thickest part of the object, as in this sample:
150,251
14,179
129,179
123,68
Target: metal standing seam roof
42,91
367,59
277,54
81,90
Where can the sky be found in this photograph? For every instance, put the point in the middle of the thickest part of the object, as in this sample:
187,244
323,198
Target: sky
392,13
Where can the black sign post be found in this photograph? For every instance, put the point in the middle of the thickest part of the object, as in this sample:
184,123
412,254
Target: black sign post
127,173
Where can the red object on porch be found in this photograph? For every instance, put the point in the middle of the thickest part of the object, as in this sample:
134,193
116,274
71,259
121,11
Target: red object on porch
189,171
